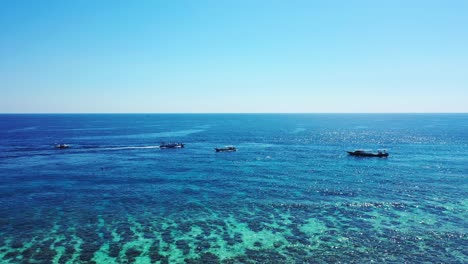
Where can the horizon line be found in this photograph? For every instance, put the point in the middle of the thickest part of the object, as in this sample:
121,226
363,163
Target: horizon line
217,113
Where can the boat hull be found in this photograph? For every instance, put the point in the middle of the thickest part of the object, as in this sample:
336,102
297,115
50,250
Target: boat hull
378,155
171,146
225,150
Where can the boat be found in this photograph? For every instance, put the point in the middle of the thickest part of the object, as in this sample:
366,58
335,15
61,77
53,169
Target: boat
171,145
366,153
62,146
226,149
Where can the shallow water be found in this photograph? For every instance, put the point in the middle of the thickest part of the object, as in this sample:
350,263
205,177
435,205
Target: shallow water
290,194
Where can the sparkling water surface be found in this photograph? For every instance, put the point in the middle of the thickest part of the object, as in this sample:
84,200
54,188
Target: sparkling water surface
290,194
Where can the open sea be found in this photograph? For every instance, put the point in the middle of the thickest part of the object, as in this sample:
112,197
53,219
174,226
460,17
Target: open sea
290,194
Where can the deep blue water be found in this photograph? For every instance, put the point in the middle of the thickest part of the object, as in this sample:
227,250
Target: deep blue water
290,194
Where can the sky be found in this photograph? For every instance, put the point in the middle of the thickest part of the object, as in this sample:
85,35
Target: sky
244,56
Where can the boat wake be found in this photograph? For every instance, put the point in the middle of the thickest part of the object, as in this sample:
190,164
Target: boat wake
130,147
72,149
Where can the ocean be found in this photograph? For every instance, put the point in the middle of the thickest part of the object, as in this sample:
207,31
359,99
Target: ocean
290,194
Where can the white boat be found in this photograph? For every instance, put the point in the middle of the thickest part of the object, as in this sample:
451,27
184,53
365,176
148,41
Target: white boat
171,145
62,146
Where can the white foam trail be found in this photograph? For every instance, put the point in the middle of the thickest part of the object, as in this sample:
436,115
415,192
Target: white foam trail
131,147
22,129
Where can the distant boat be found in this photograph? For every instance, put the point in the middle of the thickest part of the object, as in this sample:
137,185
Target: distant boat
62,146
226,149
365,153
171,145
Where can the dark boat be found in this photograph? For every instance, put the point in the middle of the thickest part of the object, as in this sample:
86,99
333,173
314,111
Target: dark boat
171,145
364,153
62,146
226,149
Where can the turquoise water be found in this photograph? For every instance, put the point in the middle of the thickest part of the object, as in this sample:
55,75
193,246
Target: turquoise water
290,194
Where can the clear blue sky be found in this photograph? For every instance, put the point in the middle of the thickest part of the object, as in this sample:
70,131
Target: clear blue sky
233,56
